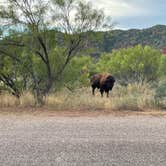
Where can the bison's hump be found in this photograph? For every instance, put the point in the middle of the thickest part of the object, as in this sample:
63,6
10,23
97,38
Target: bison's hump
95,78
105,77
101,78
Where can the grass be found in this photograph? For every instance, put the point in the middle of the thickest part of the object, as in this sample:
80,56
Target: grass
7,100
135,97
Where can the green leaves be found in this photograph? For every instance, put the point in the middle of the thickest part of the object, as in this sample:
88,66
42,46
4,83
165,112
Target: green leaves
162,67
132,64
77,72
45,54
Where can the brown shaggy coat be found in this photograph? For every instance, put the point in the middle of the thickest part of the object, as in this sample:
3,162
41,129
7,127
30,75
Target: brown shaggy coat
104,82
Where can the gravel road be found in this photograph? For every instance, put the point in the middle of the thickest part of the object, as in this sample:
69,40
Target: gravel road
82,141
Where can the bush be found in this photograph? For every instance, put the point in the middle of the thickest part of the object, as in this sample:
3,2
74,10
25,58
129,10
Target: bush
76,74
162,67
134,64
160,93
135,96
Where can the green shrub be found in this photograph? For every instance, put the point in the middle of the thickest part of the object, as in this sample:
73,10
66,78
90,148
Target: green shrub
161,90
160,93
134,64
162,67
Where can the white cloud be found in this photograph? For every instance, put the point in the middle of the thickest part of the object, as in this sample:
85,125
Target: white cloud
121,8
133,13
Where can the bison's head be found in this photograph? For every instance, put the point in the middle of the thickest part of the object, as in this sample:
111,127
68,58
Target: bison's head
110,80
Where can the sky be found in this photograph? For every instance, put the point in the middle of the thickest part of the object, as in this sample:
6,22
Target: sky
129,14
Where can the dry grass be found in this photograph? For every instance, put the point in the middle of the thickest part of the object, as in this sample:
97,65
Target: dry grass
135,97
79,99
7,100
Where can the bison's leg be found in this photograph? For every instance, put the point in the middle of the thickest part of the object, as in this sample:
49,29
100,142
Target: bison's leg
107,93
93,90
101,91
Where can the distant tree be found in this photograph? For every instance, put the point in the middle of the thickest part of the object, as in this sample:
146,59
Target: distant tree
162,67
134,64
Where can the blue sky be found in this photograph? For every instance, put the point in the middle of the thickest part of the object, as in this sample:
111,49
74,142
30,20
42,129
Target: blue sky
134,13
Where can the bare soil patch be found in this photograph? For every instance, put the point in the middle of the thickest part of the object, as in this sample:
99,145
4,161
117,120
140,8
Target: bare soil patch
51,112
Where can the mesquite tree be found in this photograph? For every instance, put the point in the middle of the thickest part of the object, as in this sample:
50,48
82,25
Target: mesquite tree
31,22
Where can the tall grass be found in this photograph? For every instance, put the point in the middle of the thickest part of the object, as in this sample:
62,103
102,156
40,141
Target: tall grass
8,100
134,97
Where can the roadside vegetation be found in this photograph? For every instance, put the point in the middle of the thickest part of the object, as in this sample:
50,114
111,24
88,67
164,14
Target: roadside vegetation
133,97
51,67
140,88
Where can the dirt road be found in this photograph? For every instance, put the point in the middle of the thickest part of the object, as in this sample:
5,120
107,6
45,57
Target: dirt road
83,141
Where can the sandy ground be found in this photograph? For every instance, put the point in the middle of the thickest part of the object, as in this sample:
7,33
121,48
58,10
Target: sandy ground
48,112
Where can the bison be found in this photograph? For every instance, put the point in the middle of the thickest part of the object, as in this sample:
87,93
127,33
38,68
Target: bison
104,82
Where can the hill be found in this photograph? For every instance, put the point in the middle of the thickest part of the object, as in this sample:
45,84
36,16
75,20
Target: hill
107,41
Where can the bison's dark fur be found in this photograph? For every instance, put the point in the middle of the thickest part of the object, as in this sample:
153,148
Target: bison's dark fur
104,82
